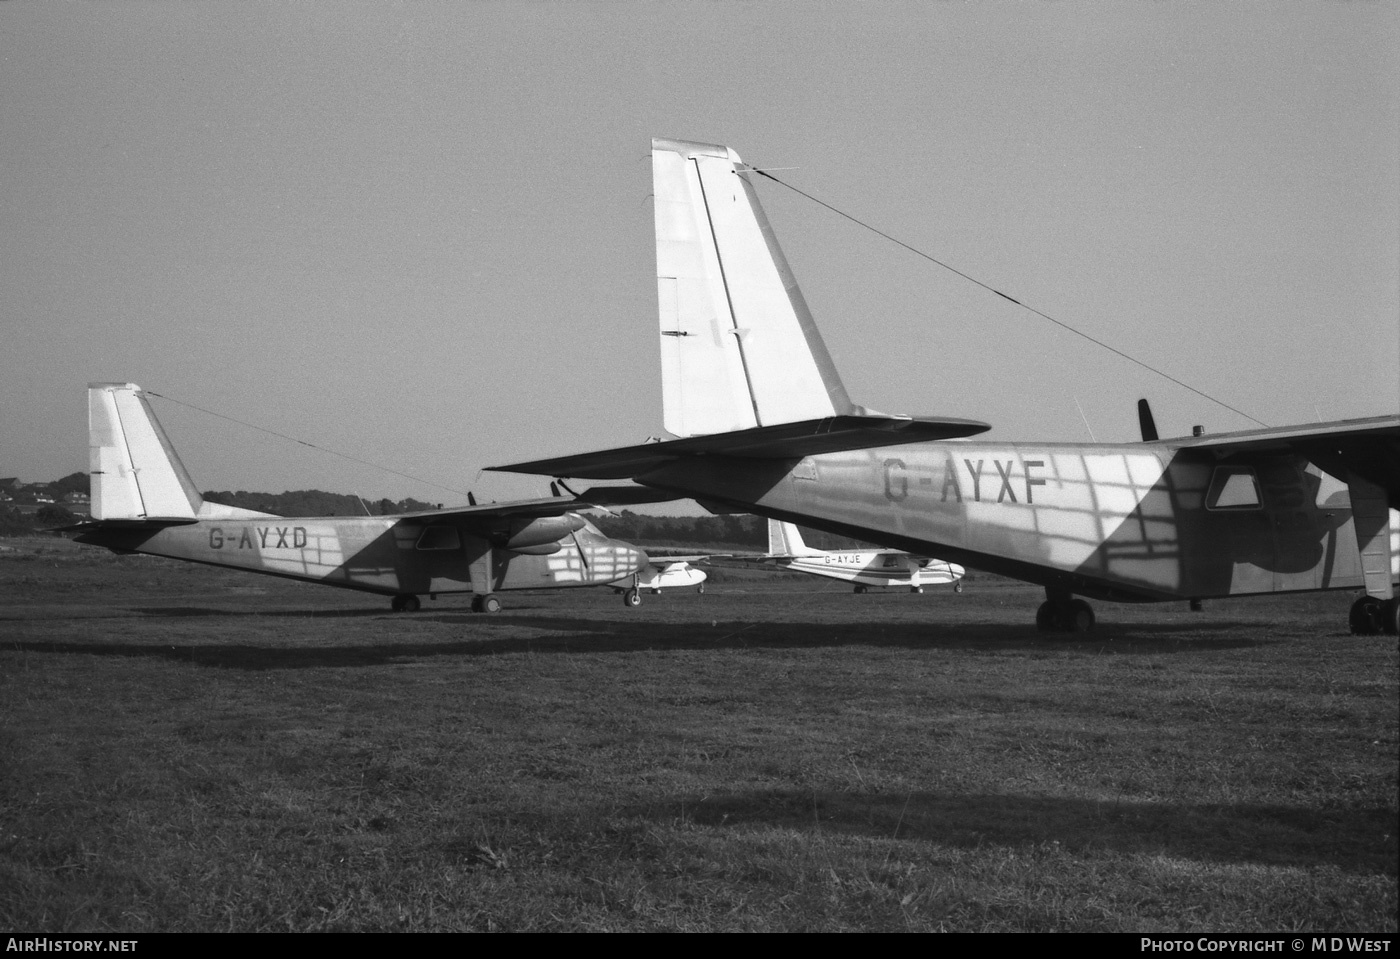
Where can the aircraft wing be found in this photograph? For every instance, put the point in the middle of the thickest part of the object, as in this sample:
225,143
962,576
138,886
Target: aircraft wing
783,441
666,559
544,506
1369,448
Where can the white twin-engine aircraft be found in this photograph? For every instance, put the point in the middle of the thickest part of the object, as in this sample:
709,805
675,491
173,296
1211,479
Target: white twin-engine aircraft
864,567
143,501
765,425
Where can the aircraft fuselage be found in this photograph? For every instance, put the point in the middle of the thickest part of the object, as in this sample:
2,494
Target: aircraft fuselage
378,554
1129,522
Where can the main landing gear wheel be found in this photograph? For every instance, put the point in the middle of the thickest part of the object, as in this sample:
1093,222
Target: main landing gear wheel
1064,616
916,589
486,604
1371,615
700,589
633,597
405,603
860,589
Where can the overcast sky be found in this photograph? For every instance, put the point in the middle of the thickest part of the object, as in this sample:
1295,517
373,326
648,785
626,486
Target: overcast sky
419,234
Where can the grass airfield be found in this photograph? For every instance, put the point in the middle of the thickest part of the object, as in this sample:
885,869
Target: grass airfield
188,748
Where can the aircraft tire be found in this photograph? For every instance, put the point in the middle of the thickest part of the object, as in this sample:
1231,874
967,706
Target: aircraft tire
957,587
1392,616
396,604
1079,617
1073,616
1367,616
916,589
860,589
632,597
700,589
490,604
656,592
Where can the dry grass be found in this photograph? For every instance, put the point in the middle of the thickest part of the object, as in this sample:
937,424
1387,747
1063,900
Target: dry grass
184,748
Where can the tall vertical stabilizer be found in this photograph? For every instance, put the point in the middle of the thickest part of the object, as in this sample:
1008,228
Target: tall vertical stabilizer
135,474
738,345
784,539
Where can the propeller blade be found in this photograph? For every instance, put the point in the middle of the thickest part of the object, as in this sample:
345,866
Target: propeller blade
583,557
1145,422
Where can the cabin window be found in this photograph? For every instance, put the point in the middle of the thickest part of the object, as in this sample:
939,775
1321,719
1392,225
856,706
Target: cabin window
1233,487
439,537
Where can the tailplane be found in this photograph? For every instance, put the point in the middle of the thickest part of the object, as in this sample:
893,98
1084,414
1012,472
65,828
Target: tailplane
136,477
744,371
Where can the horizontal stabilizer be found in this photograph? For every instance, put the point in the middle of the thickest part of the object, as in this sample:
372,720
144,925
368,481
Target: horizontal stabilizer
786,441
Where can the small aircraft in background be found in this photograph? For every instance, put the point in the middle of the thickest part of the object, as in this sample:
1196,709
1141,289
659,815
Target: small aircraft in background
143,501
765,425
865,568
662,572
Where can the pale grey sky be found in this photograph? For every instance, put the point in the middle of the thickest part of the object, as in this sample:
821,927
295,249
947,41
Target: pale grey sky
420,233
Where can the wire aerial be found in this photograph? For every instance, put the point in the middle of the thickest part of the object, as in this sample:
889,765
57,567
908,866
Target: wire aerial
293,439
991,289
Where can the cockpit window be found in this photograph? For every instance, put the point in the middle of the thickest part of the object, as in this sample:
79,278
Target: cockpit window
1233,487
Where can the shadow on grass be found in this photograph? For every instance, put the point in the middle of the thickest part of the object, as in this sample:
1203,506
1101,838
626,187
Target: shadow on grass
1359,840
195,612
572,637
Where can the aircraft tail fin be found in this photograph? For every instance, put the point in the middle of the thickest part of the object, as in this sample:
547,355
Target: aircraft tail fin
784,539
135,474
739,348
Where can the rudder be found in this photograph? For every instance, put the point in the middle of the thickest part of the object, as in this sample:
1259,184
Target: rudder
135,474
739,348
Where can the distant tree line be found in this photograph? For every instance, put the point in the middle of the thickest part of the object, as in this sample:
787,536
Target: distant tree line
314,502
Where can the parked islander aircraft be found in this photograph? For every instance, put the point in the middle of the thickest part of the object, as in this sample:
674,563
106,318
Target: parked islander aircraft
766,426
143,501
863,567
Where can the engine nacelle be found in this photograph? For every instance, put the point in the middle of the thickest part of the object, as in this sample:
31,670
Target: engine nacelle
523,534
544,549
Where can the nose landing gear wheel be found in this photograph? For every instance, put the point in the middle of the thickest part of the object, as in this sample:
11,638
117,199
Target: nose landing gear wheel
405,603
486,604
632,597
